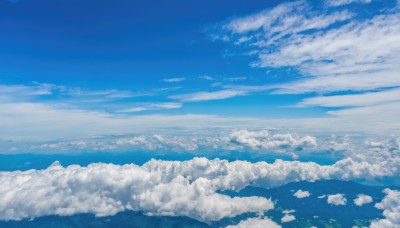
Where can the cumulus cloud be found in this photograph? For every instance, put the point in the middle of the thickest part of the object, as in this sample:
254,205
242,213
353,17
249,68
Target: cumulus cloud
372,149
302,194
262,139
108,189
337,199
391,210
288,217
362,199
189,188
256,223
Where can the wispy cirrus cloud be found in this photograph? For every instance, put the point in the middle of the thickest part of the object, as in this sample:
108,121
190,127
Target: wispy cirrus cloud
62,93
177,79
22,92
334,49
206,96
344,2
227,91
152,106
344,58
354,100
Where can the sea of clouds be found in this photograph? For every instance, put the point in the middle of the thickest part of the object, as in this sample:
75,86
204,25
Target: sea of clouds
173,188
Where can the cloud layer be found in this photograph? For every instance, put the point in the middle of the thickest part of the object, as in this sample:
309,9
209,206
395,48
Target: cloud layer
108,189
173,188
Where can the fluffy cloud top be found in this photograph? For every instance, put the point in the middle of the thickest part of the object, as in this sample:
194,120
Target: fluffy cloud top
106,189
337,199
263,140
242,140
391,210
256,223
189,188
301,194
288,218
362,199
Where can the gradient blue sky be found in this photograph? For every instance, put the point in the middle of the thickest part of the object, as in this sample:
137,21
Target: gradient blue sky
308,90
72,69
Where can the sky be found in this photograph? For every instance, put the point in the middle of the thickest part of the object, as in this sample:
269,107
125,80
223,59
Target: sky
164,107
97,70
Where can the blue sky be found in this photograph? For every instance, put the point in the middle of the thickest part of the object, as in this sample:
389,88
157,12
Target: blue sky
236,93
73,70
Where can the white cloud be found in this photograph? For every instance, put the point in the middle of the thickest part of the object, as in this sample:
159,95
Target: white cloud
228,91
332,49
337,199
110,94
233,79
286,18
153,106
344,2
106,189
288,218
363,99
177,79
302,194
207,77
62,95
362,199
44,121
391,210
263,140
288,211
167,105
256,223
136,109
173,188
343,54
10,93
206,96
241,141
